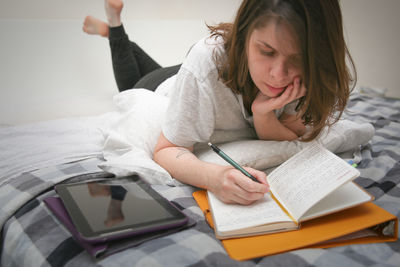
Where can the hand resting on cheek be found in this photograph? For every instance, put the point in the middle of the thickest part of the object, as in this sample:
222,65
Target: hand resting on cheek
263,104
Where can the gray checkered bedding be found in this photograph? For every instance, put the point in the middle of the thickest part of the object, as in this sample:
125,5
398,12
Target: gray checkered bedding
31,236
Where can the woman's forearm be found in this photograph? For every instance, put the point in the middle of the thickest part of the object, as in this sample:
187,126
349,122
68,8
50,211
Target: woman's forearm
293,123
227,183
268,127
184,166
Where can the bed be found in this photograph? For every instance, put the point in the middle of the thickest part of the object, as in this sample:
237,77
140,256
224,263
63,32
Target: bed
35,157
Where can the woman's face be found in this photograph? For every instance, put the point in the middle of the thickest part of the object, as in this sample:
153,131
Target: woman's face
274,58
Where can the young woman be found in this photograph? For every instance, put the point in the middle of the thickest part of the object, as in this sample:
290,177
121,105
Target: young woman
278,72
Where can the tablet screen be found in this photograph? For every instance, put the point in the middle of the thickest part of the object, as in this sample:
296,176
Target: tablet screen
105,207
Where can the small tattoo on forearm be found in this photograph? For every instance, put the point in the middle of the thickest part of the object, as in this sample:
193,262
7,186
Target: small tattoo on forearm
181,152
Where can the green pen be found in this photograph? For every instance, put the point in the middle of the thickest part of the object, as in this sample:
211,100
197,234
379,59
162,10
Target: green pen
232,162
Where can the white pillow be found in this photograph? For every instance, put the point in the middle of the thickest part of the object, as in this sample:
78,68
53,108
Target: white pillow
343,136
130,143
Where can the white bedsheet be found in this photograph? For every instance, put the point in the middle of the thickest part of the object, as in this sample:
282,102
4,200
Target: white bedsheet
28,147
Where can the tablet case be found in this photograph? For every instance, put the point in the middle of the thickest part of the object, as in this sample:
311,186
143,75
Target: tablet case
311,234
102,250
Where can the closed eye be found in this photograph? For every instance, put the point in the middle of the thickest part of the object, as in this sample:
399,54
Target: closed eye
267,53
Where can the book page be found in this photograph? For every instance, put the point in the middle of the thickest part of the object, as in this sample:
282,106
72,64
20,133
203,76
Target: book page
307,177
229,217
347,195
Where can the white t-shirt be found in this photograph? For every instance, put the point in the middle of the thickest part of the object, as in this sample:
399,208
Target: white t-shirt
201,108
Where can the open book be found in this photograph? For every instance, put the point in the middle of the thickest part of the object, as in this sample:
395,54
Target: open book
312,183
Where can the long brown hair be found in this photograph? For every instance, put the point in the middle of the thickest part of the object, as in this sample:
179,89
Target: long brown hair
319,31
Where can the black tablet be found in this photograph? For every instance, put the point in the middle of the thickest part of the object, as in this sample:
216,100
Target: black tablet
118,207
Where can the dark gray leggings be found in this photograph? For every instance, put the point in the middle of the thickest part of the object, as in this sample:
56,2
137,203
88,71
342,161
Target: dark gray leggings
134,68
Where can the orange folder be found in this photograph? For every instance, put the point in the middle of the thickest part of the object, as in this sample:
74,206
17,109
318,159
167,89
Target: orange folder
316,233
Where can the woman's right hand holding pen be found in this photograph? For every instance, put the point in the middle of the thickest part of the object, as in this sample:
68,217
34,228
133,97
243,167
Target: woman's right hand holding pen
232,186
228,183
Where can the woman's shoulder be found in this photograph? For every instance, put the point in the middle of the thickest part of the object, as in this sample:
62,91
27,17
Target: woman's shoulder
201,58
210,43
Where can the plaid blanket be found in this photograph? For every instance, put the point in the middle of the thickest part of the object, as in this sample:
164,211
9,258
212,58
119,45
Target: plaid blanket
32,236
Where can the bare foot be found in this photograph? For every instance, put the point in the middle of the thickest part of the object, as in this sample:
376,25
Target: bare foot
113,11
92,25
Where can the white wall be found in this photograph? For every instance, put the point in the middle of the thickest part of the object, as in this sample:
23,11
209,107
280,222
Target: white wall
50,69
133,9
373,33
